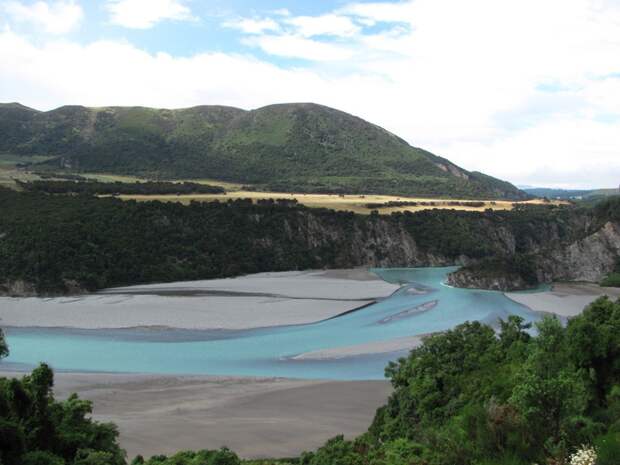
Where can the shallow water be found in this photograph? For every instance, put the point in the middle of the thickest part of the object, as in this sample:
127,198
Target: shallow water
423,305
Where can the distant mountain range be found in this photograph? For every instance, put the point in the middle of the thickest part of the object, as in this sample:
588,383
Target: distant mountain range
299,147
568,194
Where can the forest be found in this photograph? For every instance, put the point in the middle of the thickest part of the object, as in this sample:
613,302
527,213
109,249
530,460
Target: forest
467,396
118,188
65,244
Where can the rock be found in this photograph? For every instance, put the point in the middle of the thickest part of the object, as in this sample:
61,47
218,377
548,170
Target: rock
18,288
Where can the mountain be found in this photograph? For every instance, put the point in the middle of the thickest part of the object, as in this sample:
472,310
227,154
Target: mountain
552,193
287,147
593,195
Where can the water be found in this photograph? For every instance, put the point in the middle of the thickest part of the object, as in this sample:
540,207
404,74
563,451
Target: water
422,306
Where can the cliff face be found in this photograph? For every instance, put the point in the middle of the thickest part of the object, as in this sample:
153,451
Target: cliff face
470,279
17,288
375,243
588,259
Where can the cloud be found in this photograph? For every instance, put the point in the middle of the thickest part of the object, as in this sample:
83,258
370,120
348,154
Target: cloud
292,46
526,91
331,24
58,17
253,26
144,14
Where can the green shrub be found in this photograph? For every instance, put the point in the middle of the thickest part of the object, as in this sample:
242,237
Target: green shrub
612,280
608,449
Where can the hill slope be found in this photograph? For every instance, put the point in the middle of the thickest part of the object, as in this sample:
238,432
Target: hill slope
290,147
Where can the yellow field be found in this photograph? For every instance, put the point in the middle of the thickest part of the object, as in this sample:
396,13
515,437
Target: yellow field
354,203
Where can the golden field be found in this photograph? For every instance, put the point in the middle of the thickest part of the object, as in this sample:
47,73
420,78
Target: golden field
354,203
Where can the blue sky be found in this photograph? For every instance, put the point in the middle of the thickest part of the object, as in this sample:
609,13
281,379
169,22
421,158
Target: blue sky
528,91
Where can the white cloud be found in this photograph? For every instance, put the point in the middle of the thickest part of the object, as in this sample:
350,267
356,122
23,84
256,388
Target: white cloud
520,90
331,24
292,46
58,17
253,26
144,14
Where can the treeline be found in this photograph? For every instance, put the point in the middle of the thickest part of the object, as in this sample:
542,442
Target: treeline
119,188
57,244
468,396
403,203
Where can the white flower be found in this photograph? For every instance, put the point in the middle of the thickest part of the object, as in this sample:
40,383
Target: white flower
584,456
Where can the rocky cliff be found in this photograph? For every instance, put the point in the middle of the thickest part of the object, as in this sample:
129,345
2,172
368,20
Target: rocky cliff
589,258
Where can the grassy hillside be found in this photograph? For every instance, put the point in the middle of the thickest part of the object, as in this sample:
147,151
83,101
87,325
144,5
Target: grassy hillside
292,147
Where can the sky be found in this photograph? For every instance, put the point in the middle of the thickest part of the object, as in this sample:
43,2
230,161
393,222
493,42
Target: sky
525,90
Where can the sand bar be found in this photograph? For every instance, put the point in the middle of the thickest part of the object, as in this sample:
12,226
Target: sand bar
565,299
254,301
399,344
256,417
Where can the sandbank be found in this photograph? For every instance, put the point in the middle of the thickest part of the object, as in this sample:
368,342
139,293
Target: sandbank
564,299
255,417
254,301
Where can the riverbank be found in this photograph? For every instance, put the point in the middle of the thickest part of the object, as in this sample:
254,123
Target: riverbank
253,301
564,299
256,417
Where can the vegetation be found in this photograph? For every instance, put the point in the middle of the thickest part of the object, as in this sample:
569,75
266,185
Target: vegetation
59,243
406,203
35,429
285,148
613,278
467,396
85,187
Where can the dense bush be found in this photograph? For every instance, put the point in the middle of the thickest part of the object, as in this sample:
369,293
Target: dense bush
35,429
467,397
612,280
119,188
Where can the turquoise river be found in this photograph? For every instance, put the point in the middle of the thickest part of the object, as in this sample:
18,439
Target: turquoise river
422,305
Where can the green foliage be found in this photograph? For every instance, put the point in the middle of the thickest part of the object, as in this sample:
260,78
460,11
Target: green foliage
612,280
467,397
293,147
119,188
4,348
41,458
63,244
35,429
222,456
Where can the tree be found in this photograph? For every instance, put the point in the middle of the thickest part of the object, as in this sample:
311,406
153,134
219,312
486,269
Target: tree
4,348
550,391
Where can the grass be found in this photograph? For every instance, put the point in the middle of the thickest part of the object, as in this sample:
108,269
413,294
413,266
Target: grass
9,171
354,203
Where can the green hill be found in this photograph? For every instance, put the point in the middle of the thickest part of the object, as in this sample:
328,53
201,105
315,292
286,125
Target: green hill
289,147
